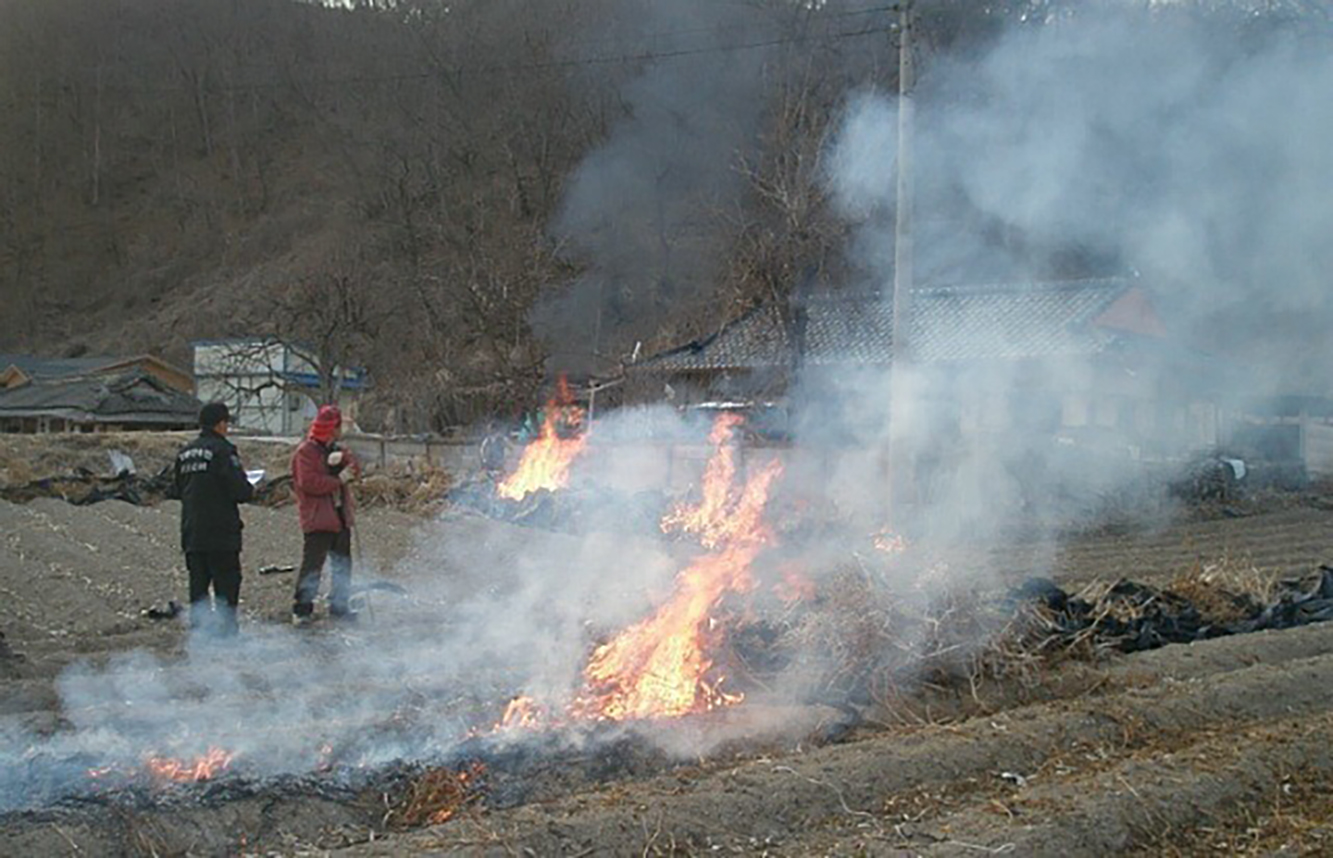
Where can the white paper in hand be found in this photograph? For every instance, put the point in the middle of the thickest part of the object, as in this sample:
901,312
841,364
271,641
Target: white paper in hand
255,477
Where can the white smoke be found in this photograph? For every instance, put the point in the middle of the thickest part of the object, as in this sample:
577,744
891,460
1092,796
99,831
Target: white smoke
1191,154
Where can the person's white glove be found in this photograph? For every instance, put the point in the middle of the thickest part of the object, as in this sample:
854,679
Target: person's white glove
335,458
346,475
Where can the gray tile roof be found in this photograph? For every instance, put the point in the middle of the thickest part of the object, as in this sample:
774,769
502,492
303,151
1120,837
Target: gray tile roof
948,324
133,396
39,367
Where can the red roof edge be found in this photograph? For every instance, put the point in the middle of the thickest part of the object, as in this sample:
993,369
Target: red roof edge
1132,313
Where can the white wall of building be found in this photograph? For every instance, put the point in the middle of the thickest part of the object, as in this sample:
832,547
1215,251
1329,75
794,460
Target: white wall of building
249,375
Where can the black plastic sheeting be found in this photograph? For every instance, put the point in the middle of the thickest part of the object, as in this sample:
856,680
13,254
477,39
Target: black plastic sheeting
1147,618
84,488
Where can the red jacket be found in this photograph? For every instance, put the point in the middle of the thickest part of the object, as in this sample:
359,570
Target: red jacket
319,492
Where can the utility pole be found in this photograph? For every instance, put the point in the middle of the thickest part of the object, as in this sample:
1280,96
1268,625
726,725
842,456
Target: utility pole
898,459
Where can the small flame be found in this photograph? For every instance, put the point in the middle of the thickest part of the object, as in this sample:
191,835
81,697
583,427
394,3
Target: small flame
466,781
203,768
794,587
440,794
708,519
546,460
889,542
324,761
521,713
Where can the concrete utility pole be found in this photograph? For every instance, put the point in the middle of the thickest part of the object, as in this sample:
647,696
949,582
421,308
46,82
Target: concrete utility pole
898,461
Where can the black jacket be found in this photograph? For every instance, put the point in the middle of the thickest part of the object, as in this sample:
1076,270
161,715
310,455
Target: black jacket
210,483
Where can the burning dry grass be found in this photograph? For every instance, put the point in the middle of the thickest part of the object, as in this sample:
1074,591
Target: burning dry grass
545,462
438,795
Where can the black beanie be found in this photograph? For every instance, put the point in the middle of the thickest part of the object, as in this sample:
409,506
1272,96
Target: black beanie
212,414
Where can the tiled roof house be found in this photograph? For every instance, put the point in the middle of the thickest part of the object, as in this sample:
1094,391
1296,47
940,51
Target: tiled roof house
93,394
1083,358
966,323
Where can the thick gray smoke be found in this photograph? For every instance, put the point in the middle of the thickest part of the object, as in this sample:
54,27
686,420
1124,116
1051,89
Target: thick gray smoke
1184,151
631,212
1176,150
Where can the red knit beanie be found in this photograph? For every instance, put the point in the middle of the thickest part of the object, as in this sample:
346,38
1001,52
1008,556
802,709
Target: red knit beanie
326,423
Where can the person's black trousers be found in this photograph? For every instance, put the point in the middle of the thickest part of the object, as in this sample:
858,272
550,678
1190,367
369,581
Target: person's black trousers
336,548
220,571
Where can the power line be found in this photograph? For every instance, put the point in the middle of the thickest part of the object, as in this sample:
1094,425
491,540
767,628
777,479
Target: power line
536,66
688,31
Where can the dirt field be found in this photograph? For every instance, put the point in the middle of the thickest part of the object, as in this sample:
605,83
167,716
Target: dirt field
1219,747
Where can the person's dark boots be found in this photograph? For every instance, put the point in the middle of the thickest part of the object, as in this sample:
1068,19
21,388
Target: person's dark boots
343,614
303,614
201,616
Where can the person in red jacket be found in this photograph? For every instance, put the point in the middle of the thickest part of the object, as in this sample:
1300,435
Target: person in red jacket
320,475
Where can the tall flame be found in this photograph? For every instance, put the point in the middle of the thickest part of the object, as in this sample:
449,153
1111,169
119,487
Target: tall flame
660,667
546,460
709,519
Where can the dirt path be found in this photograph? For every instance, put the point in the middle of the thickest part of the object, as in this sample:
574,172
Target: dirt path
75,580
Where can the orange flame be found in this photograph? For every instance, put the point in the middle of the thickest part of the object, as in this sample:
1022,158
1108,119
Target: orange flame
660,667
441,794
522,712
203,768
889,542
708,519
794,587
458,797
546,460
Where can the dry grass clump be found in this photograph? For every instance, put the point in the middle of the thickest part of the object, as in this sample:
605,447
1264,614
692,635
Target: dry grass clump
1225,590
864,639
406,488
15,471
415,489
1296,818
440,794
872,632
25,459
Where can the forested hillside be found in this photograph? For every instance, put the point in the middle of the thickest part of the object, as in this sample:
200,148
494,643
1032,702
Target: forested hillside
460,196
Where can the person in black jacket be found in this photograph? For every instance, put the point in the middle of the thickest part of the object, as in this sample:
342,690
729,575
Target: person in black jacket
210,483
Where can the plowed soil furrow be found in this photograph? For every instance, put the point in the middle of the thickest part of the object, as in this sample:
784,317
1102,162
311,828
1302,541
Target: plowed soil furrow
1144,798
1099,805
1289,542
776,801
